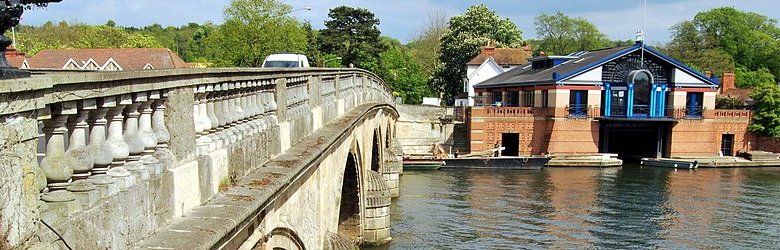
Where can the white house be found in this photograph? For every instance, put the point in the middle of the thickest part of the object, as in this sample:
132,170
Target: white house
489,63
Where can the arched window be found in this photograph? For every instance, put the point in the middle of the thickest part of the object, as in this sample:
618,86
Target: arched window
642,80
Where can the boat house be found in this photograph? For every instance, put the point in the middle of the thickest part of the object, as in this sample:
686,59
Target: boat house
632,100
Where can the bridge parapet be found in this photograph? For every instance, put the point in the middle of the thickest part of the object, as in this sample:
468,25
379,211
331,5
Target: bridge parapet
107,158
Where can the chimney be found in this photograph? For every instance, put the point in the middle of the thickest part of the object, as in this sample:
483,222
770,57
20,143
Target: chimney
489,50
527,50
727,83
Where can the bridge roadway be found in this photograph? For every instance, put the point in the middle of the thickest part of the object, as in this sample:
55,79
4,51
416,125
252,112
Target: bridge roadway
197,159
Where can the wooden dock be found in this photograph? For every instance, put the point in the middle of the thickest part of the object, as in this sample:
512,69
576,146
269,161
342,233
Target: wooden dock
585,160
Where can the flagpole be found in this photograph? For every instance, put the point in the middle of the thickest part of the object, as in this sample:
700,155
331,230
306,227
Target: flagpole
644,20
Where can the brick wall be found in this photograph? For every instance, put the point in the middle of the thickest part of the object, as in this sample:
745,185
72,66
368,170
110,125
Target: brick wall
541,133
771,144
574,136
704,137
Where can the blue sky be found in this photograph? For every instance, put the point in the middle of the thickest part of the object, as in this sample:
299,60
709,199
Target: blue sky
402,19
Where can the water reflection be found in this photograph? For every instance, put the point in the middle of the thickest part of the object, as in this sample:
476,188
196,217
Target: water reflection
626,207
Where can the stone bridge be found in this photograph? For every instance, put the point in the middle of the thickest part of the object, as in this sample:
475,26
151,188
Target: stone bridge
197,159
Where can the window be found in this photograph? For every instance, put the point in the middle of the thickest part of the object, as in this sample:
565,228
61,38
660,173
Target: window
528,98
578,103
512,99
497,98
545,98
642,81
694,105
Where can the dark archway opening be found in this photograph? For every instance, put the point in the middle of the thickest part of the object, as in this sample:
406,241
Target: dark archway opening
376,153
349,210
633,141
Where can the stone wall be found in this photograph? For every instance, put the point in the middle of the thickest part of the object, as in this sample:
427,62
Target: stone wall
420,127
20,179
174,139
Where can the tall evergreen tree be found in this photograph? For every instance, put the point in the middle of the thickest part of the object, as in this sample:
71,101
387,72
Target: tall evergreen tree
353,35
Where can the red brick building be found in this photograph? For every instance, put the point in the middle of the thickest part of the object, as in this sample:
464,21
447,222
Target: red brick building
632,100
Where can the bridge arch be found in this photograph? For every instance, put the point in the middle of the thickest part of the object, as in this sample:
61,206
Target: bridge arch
349,221
376,151
283,238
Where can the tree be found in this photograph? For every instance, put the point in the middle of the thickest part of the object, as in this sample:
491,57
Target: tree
750,79
316,58
561,35
426,47
353,35
32,40
254,29
399,70
724,39
766,117
467,33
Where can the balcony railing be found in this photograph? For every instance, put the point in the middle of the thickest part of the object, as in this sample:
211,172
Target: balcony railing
577,111
509,111
733,113
644,111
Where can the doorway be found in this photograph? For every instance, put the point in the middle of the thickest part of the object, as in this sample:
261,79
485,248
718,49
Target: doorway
635,140
511,144
727,145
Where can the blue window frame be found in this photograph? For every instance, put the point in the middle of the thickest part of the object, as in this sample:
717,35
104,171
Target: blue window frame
694,106
578,103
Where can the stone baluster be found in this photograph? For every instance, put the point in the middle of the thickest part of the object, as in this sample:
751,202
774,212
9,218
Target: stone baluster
230,111
99,147
261,107
161,152
202,121
148,136
211,112
254,98
133,137
251,108
56,165
246,105
220,108
77,140
239,119
197,121
116,142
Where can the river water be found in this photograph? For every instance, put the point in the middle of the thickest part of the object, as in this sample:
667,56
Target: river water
630,207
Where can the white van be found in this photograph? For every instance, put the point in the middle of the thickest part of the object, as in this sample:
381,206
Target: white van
286,61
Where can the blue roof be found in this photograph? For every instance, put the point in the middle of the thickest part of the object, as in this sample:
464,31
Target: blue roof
524,75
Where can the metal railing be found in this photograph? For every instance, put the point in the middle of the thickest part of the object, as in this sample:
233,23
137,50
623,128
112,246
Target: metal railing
643,111
578,111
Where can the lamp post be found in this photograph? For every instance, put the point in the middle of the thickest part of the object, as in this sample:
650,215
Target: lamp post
10,14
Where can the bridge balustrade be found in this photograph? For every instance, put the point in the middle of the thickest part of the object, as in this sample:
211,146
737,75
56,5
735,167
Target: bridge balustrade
103,133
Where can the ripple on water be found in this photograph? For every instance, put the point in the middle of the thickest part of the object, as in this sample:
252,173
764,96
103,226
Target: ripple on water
628,207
